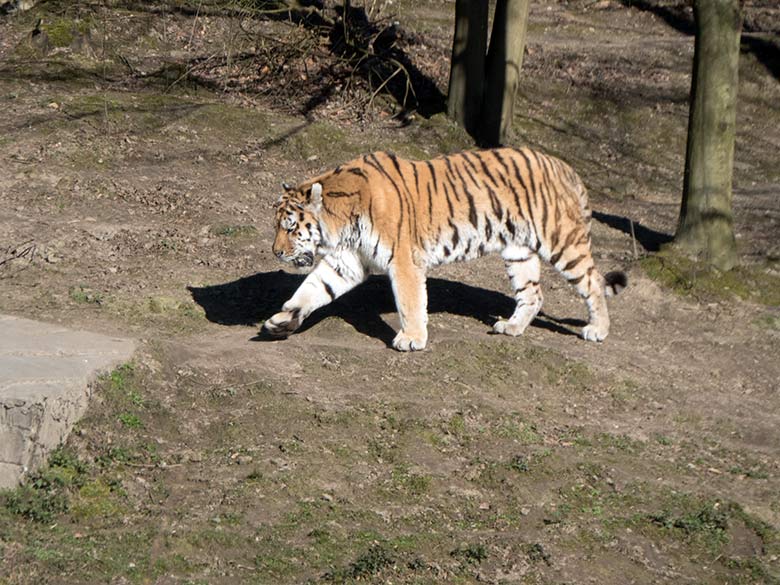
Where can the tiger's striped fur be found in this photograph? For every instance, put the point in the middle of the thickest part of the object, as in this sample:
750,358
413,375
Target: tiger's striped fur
387,214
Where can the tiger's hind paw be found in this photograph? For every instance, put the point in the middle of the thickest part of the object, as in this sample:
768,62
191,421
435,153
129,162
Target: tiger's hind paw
404,342
283,323
593,333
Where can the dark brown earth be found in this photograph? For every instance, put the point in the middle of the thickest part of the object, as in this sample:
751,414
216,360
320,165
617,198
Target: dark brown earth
136,198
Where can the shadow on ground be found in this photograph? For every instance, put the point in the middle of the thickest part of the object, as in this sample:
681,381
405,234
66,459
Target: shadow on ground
679,16
360,47
650,239
251,300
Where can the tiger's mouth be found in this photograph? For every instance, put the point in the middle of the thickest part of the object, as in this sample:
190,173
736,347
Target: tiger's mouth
304,260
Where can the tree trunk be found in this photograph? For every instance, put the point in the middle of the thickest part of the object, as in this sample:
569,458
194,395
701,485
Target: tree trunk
468,63
504,60
706,220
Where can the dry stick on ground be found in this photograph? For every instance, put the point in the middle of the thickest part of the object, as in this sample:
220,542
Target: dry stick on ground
358,58
172,7
366,55
194,24
161,465
383,84
190,70
633,237
25,250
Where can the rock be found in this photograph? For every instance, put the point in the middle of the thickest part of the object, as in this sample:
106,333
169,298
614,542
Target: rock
10,6
45,371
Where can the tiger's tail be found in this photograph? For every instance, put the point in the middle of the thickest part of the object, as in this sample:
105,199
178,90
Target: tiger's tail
614,282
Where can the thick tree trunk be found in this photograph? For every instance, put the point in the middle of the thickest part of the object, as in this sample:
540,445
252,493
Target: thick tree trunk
468,63
504,60
706,220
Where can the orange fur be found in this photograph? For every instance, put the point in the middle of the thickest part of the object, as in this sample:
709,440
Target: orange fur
401,216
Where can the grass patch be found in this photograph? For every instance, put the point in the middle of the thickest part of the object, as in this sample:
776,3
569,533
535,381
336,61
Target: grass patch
169,306
693,519
123,402
618,443
96,499
130,420
120,386
624,392
470,554
225,121
85,295
456,427
47,492
446,136
755,472
771,322
366,565
691,278
513,427
559,370
519,464
412,483
708,526
322,142
63,31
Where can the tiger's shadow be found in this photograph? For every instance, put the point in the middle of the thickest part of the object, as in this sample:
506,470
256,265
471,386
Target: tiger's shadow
251,300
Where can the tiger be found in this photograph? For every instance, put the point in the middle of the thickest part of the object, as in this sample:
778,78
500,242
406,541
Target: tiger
381,213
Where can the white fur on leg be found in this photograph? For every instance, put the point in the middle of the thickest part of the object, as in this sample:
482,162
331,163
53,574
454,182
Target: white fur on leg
282,324
335,275
593,333
404,342
598,327
524,270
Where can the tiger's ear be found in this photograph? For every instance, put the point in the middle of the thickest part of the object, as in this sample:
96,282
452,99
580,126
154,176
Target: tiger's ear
315,199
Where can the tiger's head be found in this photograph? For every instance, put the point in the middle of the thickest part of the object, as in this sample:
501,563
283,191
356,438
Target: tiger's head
297,224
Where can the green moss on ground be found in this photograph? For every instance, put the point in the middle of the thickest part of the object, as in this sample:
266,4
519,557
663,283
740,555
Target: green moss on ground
688,277
63,32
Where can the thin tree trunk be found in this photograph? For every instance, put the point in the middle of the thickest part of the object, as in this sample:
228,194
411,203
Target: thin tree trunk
468,63
706,221
504,60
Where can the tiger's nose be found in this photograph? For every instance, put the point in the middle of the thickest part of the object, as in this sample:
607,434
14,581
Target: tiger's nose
279,253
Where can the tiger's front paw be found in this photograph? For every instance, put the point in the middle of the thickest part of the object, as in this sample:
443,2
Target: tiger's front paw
510,328
283,323
593,333
404,342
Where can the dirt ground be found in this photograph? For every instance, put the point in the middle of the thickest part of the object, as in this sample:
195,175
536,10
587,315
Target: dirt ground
136,199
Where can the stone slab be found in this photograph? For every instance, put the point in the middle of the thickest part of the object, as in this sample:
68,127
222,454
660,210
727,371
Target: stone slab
45,376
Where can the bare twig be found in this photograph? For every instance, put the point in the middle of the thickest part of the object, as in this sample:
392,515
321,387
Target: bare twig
161,465
189,70
633,238
24,251
383,84
194,24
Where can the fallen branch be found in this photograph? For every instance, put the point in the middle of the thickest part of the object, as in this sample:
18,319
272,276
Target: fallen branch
24,251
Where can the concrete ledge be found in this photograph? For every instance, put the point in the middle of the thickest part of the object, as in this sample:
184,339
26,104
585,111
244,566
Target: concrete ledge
45,372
